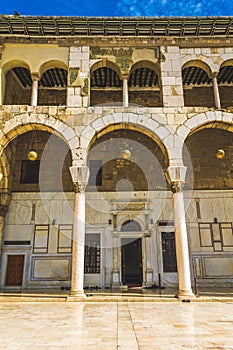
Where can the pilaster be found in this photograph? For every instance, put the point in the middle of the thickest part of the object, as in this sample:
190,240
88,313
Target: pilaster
78,89
171,77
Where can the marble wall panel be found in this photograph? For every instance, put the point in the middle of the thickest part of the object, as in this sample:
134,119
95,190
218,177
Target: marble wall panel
218,266
18,232
51,269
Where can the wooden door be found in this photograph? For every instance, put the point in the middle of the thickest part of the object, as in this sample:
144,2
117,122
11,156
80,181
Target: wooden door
14,270
132,262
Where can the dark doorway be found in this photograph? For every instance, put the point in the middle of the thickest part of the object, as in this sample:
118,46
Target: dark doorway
131,263
169,252
14,270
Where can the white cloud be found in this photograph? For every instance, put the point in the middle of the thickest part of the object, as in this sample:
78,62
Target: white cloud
175,8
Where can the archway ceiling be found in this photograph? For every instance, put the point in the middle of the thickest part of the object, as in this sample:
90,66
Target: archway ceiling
143,77
107,77
55,77
197,76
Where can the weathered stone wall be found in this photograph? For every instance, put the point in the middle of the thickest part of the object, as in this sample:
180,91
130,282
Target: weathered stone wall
199,96
15,93
47,148
51,97
226,96
104,96
145,98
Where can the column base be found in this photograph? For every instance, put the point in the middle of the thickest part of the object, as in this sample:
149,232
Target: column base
76,296
185,295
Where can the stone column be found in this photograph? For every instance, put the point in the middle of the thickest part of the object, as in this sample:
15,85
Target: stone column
115,268
216,91
34,92
125,93
177,176
79,176
148,269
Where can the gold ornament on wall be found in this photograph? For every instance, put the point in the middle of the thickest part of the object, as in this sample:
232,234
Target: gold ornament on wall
125,154
220,154
32,155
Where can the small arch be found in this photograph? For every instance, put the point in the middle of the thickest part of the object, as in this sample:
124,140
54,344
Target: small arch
52,84
145,64
144,84
17,83
198,64
197,84
225,82
131,226
14,63
106,85
50,65
106,63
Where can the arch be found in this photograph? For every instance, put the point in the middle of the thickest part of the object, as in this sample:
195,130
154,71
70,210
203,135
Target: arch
106,63
4,183
102,126
50,65
17,83
13,64
52,83
228,62
106,83
144,64
131,226
205,63
210,119
144,84
197,84
23,123
149,158
205,170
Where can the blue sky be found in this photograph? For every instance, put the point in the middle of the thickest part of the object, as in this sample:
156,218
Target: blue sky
118,7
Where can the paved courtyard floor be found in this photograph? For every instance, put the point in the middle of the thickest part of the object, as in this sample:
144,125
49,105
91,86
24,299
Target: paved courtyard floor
116,325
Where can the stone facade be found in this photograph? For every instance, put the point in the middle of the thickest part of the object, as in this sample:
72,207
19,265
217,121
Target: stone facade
143,98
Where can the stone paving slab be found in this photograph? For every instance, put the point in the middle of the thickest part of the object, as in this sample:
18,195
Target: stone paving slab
116,325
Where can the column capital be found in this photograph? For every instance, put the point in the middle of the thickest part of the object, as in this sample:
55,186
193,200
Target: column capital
35,76
177,187
79,175
79,187
176,175
214,75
